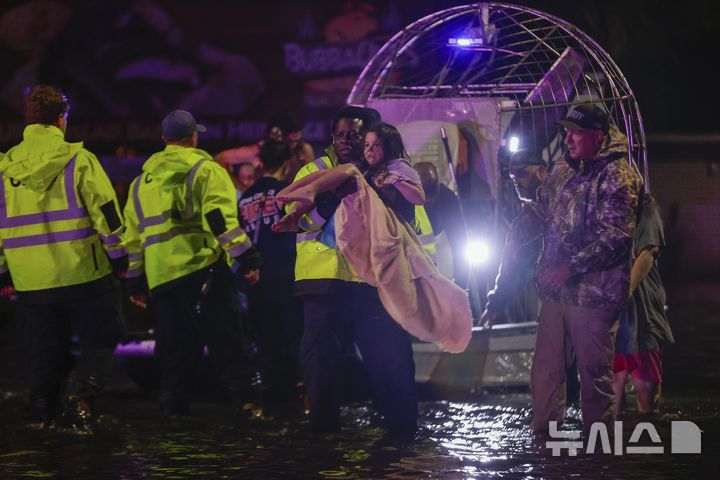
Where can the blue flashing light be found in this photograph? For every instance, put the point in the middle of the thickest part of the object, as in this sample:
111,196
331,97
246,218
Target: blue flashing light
465,42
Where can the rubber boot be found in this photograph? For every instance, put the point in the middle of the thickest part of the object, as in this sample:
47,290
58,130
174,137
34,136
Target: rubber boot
76,416
248,399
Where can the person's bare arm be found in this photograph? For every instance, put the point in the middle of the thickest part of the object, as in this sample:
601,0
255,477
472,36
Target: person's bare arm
298,184
412,192
642,266
244,154
301,194
316,182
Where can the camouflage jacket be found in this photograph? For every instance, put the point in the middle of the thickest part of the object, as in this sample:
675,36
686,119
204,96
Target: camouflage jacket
523,245
590,215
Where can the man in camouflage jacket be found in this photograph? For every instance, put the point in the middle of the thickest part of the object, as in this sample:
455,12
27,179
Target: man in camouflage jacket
589,206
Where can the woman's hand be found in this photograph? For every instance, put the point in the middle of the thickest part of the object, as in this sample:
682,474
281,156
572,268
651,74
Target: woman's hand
386,179
288,223
303,200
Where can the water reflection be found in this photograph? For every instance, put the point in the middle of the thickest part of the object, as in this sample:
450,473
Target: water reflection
457,440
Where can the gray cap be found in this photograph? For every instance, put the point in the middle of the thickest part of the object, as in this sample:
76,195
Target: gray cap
524,158
180,124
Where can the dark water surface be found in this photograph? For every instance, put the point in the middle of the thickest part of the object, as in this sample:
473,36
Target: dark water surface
476,438
486,438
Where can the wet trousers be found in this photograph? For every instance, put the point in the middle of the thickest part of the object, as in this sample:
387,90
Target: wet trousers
566,333
202,310
277,320
91,327
332,323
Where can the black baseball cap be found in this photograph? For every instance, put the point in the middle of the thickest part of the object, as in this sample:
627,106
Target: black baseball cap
524,158
180,124
586,117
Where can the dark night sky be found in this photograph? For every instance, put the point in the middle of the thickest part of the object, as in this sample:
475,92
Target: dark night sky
666,51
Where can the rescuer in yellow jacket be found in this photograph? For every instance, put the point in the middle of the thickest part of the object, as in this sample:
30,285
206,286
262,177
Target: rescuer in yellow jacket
319,267
182,230
60,239
340,309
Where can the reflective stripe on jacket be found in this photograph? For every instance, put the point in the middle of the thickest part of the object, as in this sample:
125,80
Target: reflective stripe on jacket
59,216
425,233
181,215
316,260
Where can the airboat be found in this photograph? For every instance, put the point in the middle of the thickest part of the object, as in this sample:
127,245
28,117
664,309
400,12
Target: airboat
466,86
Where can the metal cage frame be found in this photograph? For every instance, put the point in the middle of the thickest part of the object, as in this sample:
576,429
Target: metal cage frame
536,64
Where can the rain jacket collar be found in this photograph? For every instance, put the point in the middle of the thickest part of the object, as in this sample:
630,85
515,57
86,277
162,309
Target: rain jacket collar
171,165
40,157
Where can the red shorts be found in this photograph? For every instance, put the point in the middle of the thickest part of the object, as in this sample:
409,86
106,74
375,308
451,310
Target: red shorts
646,366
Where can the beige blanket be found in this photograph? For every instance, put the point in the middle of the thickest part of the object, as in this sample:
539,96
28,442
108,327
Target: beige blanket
385,252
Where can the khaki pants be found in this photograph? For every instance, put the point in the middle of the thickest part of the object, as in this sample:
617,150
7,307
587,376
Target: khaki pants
565,332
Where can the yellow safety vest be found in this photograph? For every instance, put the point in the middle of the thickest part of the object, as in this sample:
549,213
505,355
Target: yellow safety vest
181,216
315,260
59,216
424,231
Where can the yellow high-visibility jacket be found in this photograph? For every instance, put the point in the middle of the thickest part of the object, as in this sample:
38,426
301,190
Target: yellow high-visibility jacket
424,231
181,216
60,222
319,266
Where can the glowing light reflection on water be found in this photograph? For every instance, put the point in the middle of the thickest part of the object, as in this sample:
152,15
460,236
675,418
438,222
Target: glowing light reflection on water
456,440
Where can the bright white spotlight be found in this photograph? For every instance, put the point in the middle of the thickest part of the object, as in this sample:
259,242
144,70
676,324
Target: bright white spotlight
477,252
514,144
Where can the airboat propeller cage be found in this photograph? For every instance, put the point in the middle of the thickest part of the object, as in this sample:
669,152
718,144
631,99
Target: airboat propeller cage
521,73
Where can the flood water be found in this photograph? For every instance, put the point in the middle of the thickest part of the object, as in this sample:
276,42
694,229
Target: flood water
475,437
457,440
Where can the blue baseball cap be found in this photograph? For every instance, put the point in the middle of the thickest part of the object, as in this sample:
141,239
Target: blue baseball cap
180,124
